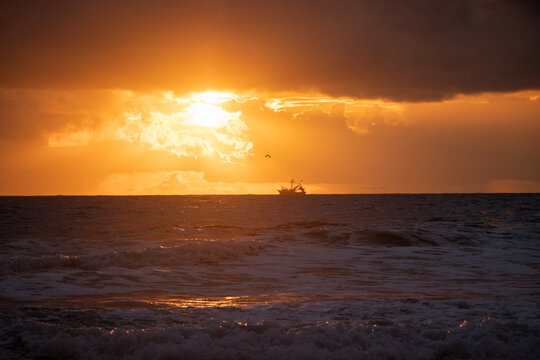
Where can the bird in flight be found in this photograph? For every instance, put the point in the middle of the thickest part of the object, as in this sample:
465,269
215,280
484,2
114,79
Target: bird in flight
267,156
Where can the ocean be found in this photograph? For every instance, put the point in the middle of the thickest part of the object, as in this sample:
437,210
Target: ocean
270,277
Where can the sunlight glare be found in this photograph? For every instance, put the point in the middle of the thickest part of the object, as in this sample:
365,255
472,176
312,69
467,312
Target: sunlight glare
213,97
208,115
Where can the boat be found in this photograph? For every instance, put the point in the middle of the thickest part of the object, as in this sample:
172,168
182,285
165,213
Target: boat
295,189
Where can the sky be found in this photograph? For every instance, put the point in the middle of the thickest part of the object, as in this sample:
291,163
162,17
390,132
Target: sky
187,97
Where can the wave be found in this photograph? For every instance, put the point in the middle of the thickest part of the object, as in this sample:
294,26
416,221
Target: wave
86,335
308,224
373,237
189,253
36,256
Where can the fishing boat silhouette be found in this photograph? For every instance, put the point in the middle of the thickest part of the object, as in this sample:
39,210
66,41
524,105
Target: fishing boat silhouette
295,189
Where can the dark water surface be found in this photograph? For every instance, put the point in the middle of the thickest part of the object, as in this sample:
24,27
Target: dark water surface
320,276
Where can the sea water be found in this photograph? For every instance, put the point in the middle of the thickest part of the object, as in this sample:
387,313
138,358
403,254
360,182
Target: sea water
270,277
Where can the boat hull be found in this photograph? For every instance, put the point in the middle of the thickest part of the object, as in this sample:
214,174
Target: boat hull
291,193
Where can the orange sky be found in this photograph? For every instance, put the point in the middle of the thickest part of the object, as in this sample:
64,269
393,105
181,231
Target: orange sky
188,97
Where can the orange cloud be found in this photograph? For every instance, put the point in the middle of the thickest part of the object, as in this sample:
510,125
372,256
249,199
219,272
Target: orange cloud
91,142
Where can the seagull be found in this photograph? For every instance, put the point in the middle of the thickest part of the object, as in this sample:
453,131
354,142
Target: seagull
267,156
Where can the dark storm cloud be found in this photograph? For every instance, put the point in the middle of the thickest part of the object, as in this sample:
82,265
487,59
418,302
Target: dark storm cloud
413,50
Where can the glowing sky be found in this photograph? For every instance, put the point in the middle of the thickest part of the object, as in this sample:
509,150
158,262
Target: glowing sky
188,97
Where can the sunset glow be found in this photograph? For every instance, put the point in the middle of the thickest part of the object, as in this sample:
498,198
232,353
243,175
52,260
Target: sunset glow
286,179
162,142
200,116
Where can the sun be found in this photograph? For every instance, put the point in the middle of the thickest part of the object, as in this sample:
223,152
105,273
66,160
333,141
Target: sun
206,111
208,115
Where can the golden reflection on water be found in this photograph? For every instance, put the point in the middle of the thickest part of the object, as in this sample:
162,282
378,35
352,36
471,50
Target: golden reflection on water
226,301
202,302
169,301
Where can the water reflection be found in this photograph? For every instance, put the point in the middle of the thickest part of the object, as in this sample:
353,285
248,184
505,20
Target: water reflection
227,301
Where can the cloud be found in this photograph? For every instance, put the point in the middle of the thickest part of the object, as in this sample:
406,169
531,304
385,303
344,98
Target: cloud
34,114
195,183
366,118
159,120
219,133
175,183
76,142
403,51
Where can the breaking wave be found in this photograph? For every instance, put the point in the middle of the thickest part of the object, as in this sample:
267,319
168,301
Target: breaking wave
91,336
